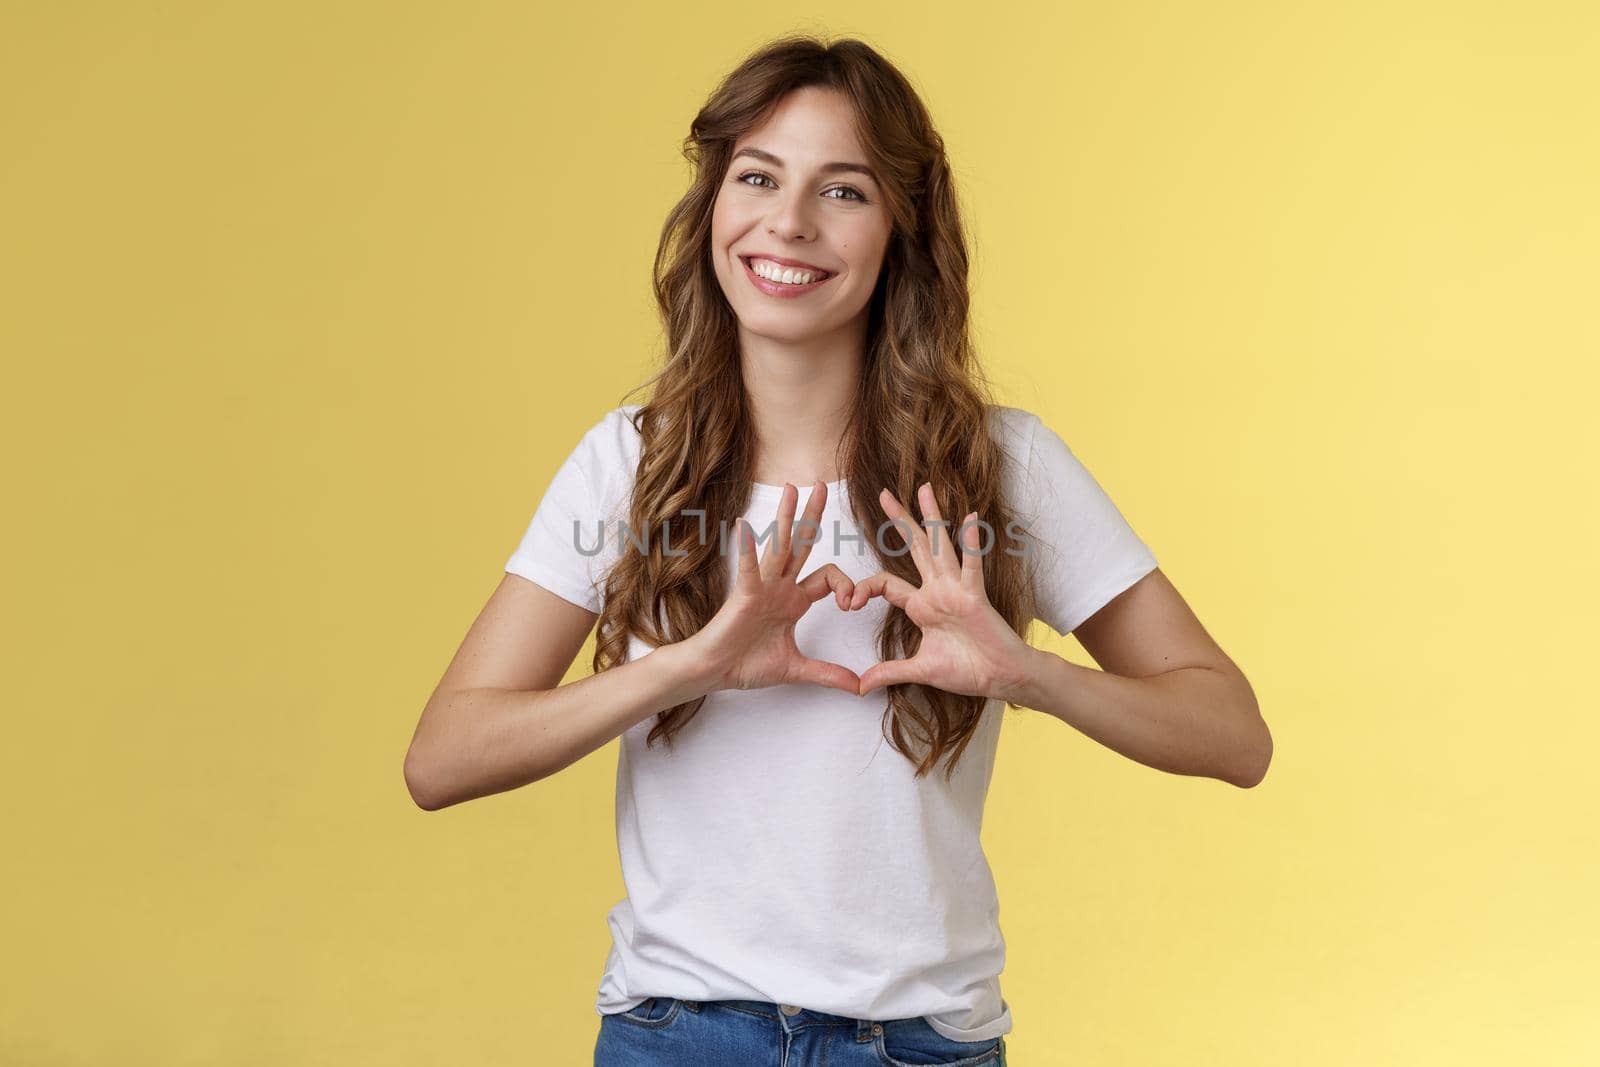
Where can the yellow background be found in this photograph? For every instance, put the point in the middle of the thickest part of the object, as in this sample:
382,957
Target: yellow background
304,303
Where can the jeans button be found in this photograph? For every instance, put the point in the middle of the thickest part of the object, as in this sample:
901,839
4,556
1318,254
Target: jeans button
788,1009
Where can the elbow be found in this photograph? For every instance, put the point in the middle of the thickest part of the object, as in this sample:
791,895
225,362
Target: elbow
1253,750
418,783
1253,770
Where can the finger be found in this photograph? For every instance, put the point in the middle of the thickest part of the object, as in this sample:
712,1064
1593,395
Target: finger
820,672
890,672
893,588
745,551
776,558
817,584
971,560
915,538
944,550
810,528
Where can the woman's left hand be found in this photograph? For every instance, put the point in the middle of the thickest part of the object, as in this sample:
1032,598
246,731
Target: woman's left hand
967,647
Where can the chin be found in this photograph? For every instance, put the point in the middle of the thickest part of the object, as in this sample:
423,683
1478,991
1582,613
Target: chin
794,318
790,329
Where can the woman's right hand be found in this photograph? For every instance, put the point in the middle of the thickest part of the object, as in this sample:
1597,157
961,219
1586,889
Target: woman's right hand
749,643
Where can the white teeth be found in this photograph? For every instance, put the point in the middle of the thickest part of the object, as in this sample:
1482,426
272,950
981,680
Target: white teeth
784,275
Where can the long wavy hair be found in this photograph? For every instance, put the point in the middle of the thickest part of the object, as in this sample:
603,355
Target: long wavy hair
920,414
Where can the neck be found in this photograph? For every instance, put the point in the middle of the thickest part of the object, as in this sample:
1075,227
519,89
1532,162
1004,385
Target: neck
801,396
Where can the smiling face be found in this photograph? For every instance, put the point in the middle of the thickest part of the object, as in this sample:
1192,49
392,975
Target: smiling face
799,228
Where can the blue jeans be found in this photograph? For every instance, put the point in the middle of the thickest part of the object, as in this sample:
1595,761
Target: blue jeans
666,1032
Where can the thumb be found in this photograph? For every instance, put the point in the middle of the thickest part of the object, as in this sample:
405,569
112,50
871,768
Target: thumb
890,672
820,672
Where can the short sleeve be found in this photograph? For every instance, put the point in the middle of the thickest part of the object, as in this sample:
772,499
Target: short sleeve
562,548
1084,551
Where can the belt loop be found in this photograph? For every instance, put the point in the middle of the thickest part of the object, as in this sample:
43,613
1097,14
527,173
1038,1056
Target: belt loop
863,1030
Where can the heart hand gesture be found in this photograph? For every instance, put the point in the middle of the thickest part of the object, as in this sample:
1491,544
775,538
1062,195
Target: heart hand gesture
749,643
966,647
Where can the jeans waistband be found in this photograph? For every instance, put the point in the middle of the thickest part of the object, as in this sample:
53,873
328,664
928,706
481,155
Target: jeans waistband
792,1017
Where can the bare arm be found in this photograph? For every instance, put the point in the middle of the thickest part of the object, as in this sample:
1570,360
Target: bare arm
499,717
1167,697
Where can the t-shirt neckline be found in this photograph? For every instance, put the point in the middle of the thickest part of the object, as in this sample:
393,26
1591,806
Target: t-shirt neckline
762,489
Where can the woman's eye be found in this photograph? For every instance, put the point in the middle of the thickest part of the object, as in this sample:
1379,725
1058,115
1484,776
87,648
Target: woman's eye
854,193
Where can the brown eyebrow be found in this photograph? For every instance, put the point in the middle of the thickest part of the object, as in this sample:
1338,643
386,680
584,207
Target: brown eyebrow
827,168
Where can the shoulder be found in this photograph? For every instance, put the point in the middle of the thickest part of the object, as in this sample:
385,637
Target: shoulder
607,455
610,440
1044,469
614,438
1013,428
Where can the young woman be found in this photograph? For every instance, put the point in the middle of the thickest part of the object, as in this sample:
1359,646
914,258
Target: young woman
800,785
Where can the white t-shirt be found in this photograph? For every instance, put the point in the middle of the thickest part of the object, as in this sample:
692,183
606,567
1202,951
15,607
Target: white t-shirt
782,850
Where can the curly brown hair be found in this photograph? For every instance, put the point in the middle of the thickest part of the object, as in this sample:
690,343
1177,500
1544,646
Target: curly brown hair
921,412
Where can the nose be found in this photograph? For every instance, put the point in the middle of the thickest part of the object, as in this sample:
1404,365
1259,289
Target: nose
791,218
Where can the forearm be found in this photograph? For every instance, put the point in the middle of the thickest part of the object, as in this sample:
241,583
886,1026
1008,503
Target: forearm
484,741
1193,720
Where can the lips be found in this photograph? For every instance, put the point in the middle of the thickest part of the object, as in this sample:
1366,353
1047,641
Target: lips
784,261
782,289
